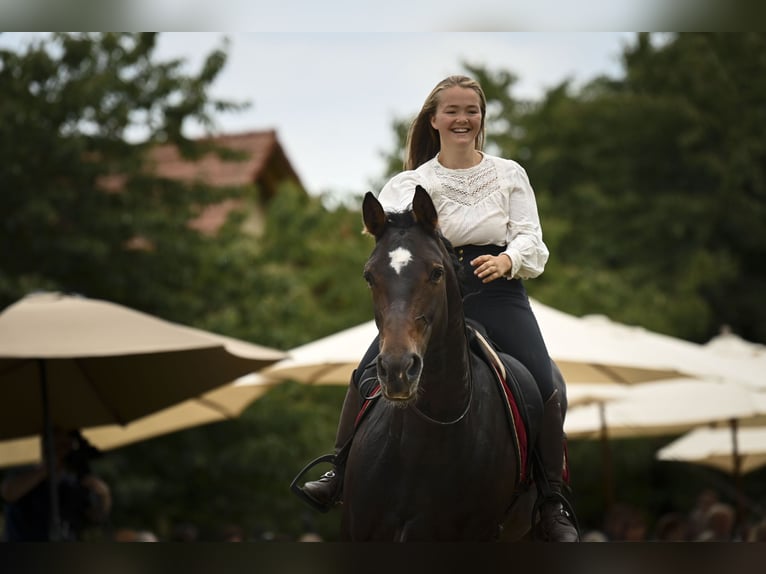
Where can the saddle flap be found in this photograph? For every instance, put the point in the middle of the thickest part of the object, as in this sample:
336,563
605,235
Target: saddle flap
524,404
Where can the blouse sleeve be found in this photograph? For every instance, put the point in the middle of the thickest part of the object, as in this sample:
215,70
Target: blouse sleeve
524,234
397,194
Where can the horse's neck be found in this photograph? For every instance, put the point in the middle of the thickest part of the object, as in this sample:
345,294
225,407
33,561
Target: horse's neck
447,362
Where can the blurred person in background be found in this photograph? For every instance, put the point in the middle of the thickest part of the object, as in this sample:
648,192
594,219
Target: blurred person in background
671,527
84,498
719,524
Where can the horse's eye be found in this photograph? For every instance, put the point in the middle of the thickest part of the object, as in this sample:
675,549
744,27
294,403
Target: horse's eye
436,274
368,278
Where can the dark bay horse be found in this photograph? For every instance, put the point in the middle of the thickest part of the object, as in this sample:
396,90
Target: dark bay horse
434,458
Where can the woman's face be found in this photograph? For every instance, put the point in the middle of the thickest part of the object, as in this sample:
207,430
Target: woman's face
457,117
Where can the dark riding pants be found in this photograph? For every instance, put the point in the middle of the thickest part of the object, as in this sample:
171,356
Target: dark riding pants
502,306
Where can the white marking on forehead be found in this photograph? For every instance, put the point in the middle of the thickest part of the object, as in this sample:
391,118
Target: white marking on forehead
399,258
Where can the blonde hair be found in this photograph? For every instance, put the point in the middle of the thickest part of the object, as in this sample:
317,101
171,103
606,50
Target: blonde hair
422,139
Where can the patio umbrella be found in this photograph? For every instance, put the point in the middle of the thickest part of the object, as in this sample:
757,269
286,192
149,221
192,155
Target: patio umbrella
581,394
326,361
666,407
223,403
714,447
672,406
75,362
733,450
631,354
586,351
732,345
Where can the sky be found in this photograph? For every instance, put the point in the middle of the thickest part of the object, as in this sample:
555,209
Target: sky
332,97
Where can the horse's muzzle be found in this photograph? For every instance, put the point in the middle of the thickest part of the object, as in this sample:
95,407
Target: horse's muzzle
399,375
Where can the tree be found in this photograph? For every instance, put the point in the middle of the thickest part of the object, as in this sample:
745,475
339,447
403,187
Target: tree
75,191
76,195
651,186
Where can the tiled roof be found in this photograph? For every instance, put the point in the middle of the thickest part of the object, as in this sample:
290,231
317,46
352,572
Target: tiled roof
262,162
212,217
258,147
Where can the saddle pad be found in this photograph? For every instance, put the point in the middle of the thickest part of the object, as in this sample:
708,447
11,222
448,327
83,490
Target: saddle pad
516,421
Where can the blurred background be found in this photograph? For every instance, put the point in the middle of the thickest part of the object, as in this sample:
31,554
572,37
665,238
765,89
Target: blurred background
123,178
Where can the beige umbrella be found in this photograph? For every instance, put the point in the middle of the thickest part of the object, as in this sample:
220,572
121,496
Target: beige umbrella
672,406
729,344
326,361
92,362
713,447
223,403
586,351
75,362
735,450
580,394
629,354
667,407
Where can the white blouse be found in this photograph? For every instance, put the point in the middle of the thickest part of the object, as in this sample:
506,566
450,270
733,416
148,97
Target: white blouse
491,203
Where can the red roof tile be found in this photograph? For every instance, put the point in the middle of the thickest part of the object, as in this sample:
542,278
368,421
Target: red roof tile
259,149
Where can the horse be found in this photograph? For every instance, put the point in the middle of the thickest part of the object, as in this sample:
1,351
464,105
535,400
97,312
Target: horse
434,459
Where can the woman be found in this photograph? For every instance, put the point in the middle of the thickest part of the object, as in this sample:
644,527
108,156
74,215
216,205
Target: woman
487,209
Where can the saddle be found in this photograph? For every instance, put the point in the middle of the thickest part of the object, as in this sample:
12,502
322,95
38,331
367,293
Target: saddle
522,399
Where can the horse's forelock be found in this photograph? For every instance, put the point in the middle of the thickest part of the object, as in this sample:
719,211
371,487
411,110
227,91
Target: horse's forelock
401,219
406,220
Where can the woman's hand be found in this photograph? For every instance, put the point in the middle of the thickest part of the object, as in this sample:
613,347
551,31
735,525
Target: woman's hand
491,267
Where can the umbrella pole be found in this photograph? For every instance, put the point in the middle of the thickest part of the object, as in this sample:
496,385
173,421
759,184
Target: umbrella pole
54,524
737,466
607,455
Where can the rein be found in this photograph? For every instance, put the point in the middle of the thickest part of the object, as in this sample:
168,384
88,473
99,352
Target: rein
462,415
376,392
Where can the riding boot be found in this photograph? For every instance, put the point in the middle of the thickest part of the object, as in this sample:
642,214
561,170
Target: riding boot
326,490
556,524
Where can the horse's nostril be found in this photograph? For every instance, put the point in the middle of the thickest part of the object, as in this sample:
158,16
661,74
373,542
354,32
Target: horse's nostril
416,365
382,371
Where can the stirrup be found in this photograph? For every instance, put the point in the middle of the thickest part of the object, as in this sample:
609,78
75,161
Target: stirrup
302,494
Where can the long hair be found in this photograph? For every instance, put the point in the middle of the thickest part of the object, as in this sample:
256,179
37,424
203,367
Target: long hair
422,139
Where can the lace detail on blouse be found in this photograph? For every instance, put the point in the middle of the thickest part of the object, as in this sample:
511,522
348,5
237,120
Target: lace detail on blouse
470,186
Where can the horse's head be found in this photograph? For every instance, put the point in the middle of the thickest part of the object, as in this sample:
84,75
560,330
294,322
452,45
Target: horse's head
410,274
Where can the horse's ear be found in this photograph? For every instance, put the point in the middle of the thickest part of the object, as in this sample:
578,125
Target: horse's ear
373,215
424,210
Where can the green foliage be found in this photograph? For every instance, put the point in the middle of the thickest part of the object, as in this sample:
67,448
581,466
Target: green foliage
651,187
70,103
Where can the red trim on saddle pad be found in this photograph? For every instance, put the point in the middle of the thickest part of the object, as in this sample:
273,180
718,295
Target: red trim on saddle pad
518,424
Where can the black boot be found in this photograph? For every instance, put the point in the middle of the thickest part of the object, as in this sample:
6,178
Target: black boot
327,490
556,523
